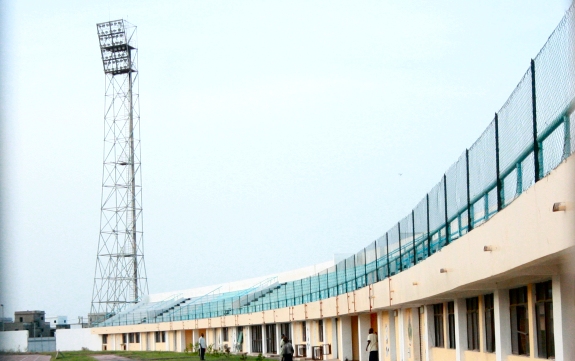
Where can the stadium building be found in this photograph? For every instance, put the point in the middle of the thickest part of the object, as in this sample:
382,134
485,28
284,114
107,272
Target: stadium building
481,269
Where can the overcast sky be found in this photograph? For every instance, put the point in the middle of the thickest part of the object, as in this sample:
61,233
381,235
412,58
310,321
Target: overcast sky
274,134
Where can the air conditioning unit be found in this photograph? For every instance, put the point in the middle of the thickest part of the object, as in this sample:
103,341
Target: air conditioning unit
326,349
300,350
317,353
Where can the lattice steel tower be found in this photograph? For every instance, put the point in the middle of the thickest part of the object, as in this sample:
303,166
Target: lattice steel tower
120,276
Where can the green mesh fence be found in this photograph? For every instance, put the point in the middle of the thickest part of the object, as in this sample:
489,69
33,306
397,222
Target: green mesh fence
530,136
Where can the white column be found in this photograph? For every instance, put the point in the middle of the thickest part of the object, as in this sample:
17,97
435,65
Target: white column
563,315
325,340
278,338
429,331
460,328
402,352
195,336
247,339
334,337
415,333
344,331
502,324
364,324
264,339
380,337
308,339
183,340
392,336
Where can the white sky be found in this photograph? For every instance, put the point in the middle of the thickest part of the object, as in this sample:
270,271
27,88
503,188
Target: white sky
273,133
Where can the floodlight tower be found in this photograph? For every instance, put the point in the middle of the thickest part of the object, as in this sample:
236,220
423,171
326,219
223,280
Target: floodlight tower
120,276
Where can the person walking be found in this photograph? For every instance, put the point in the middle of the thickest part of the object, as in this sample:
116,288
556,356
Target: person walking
372,345
202,342
287,350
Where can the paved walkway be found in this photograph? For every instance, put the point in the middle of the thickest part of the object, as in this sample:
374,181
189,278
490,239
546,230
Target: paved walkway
107,358
24,358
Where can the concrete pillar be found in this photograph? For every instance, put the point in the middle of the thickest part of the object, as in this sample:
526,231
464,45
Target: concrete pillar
308,339
393,352
364,324
334,337
264,339
278,338
416,336
380,336
344,335
563,315
182,339
247,339
502,324
460,328
325,340
429,331
402,352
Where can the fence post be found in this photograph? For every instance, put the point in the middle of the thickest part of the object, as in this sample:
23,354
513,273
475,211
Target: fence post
387,251
500,194
413,235
469,225
536,153
399,242
376,263
445,201
428,235
364,267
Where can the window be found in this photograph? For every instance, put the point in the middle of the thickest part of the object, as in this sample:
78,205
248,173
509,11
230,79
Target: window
320,327
489,323
451,323
438,324
124,338
271,345
21,319
303,332
160,336
104,339
472,323
256,334
285,330
519,321
131,338
544,320
54,321
225,334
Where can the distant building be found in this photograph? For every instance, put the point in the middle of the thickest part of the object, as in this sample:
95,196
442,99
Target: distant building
58,322
32,321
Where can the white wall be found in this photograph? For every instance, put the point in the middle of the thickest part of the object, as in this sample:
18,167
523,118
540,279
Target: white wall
75,339
15,341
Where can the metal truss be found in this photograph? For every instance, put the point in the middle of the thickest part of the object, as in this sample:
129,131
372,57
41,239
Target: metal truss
120,275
